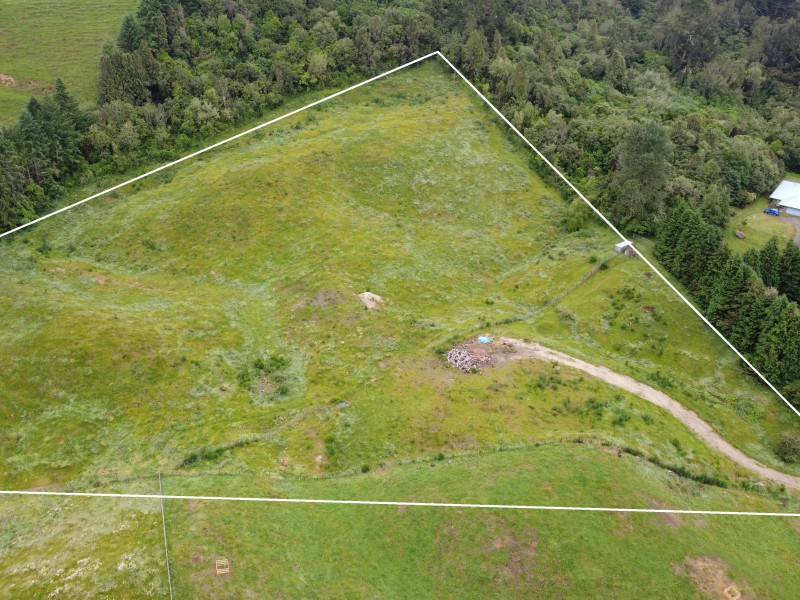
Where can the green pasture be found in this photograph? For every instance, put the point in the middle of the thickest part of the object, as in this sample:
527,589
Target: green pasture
758,227
206,320
41,40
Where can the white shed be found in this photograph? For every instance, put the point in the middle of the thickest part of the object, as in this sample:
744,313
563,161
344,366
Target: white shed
787,197
622,246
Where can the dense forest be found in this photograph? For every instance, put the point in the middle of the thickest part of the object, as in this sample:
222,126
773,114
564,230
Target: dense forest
665,113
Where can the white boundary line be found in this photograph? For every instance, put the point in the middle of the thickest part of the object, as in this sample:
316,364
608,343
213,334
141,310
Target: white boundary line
399,503
162,497
218,144
500,114
611,225
164,527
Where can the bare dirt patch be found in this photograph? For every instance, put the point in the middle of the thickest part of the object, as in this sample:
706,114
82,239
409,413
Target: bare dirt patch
710,575
322,299
519,546
7,80
671,520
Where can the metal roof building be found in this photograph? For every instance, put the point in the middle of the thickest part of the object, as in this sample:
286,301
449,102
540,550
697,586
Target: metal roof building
787,196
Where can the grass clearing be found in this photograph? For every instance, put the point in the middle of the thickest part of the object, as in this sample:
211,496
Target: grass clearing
208,321
44,39
411,552
757,226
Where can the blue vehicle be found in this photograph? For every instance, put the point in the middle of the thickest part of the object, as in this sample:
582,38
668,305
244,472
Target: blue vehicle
772,211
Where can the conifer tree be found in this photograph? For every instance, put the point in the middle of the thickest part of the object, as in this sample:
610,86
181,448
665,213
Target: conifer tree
790,271
669,232
32,145
777,350
756,306
68,106
728,292
704,282
753,259
617,70
770,261
643,156
130,34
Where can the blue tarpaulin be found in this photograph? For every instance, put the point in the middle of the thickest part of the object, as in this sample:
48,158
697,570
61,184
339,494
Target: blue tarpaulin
484,339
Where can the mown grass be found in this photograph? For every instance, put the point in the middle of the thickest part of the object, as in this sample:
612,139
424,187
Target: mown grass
757,226
285,551
207,318
44,39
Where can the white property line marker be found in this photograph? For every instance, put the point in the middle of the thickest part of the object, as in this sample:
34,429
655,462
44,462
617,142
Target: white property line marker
502,116
560,174
622,237
164,527
163,497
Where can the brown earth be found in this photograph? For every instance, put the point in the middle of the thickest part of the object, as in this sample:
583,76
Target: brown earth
710,575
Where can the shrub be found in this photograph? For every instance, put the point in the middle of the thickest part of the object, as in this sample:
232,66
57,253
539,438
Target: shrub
788,448
622,417
365,468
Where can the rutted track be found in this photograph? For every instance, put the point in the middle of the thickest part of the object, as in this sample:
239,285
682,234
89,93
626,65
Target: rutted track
689,418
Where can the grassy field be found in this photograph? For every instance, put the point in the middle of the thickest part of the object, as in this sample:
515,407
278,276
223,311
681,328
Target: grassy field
44,39
207,320
758,227
286,551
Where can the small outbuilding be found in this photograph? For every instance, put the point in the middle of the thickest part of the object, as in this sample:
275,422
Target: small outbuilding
787,197
622,247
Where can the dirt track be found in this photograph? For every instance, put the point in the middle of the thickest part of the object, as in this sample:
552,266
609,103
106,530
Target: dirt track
683,414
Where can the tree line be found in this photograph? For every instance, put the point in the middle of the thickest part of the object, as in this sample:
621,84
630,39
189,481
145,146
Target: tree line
751,299
659,110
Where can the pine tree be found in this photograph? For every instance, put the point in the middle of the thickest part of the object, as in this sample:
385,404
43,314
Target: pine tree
705,281
32,145
159,35
69,107
770,261
520,82
130,34
726,297
669,232
15,208
474,54
790,271
753,259
756,308
641,176
776,353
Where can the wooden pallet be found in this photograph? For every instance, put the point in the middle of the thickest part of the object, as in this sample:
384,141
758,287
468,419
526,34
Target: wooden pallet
222,567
